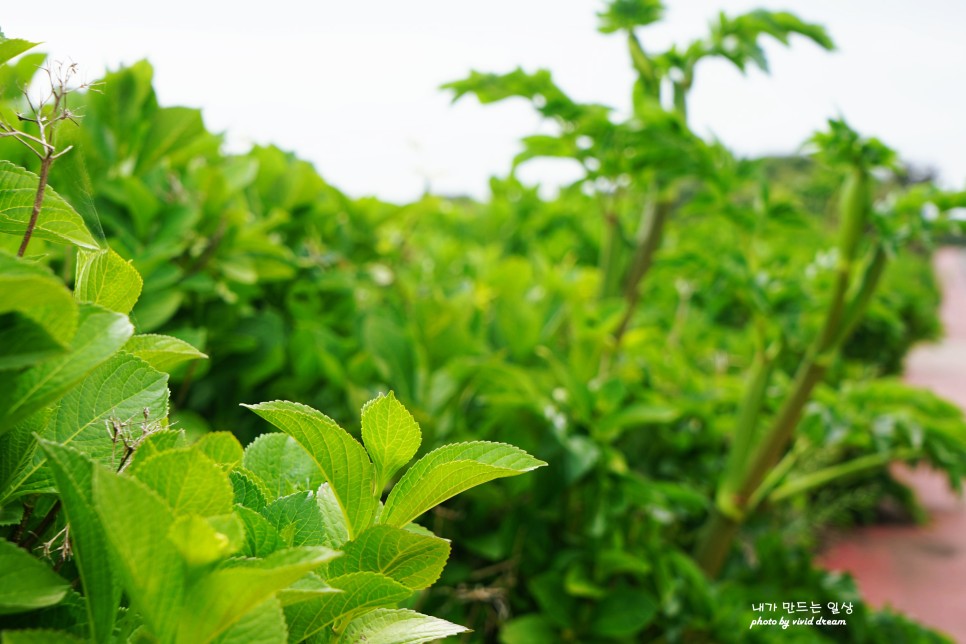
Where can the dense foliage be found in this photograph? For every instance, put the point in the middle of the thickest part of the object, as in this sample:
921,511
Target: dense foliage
699,345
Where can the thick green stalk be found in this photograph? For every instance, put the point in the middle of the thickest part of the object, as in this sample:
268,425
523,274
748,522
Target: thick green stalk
609,255
844,311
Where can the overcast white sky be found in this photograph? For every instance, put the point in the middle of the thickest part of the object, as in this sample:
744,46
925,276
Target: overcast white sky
352,85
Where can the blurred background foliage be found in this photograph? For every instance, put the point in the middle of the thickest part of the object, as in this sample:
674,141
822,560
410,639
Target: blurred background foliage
551,324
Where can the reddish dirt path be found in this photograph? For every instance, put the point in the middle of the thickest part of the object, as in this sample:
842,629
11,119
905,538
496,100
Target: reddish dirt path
921,570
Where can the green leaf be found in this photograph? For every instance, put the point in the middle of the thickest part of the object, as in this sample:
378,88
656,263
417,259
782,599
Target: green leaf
264,624
12,47
37,294
624,613
158,441
261,537
100,334
23,342
397,626
390,434
222,448
298,520
361,592
413,560
282,465
342,460
57,222
308,587
149,567
171,128
26,583
205,541
247,488
189,481
336,529
73,473
529,629
628,14
123,390
162,352
17,450
222,597
449,470
39,636
103,277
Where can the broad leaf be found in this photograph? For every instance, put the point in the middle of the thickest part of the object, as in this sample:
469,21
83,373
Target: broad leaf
361,592
298,520
39,636
100,333
58,221
124,393
162,440
26,583
103,277
413,560
222,597
74,474
342,460
264,624
37,294
449,470
397,626
222,448
390,434
261,537
162,352
149,567
13,47
282,465
189,481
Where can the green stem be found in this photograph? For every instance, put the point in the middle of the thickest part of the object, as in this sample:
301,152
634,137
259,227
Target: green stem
833,472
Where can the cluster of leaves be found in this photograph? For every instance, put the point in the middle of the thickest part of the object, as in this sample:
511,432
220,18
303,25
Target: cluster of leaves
119,529
609,330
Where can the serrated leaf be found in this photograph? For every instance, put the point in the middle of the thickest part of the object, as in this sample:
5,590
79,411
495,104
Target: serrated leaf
171,128
248,490
261,537
105,278
189,481
361,592
57,222
298,520
74,475
17,449
343,461
397,626
449,470
282,465
37,294
222,597
264,624
26,583
222,448
148,566
162,352
390,434
118,391
100,333
413,560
